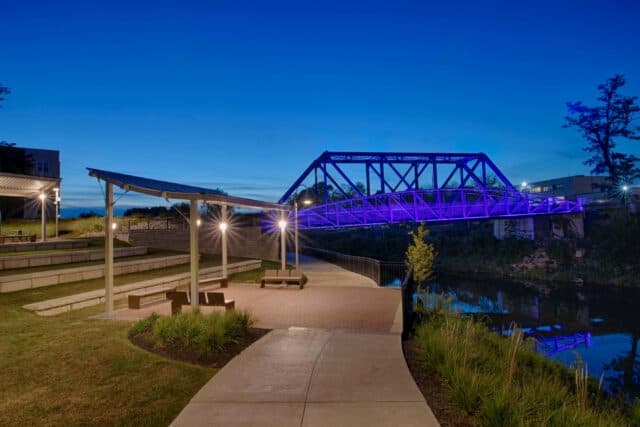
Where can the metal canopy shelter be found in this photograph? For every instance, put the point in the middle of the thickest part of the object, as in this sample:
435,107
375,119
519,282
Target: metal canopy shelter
31,187
171,190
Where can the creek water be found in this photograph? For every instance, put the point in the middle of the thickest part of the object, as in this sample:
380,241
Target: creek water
560,313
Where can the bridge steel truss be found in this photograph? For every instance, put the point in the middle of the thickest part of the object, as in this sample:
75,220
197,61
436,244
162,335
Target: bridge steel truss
415,187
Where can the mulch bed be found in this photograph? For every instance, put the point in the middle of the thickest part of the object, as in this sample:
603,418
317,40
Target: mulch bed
435,389
191,355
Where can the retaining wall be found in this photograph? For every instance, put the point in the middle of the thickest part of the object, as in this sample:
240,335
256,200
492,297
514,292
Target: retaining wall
74,302
44,246
243,242
38,260
18,282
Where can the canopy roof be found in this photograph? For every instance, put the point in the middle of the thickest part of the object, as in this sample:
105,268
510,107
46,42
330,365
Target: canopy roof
172,190
18,185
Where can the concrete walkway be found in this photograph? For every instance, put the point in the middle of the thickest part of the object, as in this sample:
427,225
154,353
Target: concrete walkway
322,273
345,367
312,377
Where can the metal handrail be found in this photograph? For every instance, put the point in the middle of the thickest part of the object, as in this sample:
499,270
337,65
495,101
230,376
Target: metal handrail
367,267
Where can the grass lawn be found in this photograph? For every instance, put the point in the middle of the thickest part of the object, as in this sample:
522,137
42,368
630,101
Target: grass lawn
71,227
70,370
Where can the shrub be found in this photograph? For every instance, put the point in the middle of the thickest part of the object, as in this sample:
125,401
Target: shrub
144,325
502,382
204,333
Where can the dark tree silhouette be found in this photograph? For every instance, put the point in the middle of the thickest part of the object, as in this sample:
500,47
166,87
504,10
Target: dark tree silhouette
3,92
602,125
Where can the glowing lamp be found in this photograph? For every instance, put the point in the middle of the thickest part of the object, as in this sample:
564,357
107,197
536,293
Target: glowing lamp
114,225
282,224
625,188
523,184
42,196
198,222
223,226
307,202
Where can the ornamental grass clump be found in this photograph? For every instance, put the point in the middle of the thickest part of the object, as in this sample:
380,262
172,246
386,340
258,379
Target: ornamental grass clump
204,333
503,382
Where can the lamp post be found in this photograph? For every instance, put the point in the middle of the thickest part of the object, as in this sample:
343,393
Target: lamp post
223,230
283,241
57,202
43,216
295,219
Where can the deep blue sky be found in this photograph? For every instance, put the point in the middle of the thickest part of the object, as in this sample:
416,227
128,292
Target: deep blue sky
243,95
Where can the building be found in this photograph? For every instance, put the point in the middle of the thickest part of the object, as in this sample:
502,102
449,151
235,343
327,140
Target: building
588,188
33,162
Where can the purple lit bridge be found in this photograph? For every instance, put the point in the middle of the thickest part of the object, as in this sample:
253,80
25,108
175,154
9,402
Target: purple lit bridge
355,189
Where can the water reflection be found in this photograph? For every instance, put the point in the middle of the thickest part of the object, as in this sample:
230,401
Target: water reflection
611,315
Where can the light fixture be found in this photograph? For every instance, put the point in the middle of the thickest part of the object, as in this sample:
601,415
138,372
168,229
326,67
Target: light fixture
625,188
223,226
198,222
282,224
307,202
523,184
114,225
42,196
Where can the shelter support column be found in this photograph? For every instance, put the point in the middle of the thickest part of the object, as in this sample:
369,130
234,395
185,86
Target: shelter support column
283,241
57,196
223,230
108,249
297,244
193,251
43,217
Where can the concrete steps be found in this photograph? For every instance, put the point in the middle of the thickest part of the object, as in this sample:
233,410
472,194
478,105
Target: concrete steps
18,282
86,299
66,257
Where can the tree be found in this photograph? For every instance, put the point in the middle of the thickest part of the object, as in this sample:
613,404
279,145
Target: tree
3,92
421,255
602,125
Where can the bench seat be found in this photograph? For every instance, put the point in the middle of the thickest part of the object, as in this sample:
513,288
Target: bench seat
135,299
288,277
224,282
178,299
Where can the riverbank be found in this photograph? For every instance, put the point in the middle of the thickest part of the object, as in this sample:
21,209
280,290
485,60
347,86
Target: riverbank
502,381
576,274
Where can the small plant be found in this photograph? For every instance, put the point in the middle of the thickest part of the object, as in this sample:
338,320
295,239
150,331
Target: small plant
634,413
515,343
421,255
144,325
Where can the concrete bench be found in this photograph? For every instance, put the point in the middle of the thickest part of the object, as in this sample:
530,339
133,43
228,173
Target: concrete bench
153,295
178,299
224,282
287,277
17,237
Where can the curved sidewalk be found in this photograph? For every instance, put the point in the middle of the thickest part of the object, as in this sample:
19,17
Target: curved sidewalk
312,377
323,273
333,362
